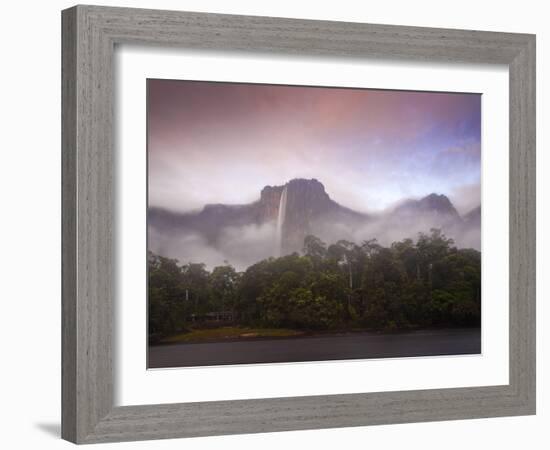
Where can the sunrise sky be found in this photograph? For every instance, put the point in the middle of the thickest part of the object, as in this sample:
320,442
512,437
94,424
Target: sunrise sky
223,142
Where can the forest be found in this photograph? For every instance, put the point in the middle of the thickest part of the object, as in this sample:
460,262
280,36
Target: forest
427,282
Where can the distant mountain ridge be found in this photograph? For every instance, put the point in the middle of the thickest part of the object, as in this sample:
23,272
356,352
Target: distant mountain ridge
433,203
307,203
473,217
301,207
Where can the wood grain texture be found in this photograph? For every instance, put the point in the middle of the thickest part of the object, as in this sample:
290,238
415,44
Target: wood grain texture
68,225
89,36
87,241
523,224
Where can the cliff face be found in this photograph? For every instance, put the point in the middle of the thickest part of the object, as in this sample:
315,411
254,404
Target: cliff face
432,204
301,207
268,205
434,210
308,208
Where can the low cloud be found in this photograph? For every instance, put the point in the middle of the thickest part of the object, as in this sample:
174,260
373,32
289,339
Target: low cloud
389,230
238,246
246,245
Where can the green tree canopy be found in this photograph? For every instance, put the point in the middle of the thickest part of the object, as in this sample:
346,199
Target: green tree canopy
427,282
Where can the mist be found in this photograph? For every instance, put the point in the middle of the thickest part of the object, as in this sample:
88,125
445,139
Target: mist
243,246
238,246
222,143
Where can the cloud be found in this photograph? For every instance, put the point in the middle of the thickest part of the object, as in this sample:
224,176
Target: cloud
238,246
466,197
185,247
223,142
387,230
243,246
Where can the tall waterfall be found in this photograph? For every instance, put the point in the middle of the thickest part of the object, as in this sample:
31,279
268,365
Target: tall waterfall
281,220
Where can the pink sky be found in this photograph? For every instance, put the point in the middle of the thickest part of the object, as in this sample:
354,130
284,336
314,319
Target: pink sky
222,142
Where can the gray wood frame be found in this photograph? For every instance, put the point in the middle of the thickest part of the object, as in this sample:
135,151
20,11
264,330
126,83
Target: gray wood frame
89,36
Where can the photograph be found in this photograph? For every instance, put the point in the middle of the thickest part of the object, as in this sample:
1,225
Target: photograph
292,223
275,225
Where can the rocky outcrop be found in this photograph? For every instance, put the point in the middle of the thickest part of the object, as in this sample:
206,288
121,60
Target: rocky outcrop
268,206
310,210
436,204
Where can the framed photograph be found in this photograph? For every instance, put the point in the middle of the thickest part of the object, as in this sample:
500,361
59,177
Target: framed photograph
278,224
262,265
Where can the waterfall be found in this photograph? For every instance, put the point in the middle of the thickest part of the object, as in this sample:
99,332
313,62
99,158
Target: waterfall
281,220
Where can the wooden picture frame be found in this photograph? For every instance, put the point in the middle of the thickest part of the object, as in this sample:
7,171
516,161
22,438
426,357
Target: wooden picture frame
90,34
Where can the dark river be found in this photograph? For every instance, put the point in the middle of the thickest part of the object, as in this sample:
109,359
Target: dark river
319,348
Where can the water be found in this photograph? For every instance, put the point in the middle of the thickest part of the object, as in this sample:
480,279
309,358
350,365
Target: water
361,345
280,221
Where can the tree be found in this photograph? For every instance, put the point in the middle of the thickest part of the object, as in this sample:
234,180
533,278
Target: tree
313,312
196,282
314,247
166,306
409,284
223,283
383,283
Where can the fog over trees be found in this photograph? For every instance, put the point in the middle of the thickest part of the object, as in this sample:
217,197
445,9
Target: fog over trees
345,285
277,223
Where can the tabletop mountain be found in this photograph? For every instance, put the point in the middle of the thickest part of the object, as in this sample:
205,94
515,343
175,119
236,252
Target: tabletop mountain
301,207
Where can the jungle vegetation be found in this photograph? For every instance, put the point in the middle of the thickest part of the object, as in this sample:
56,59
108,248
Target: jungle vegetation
427,282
